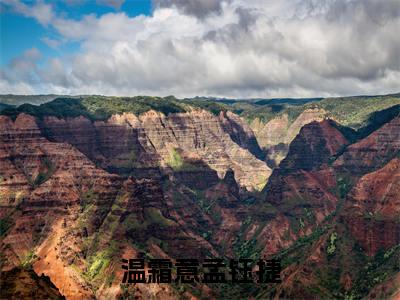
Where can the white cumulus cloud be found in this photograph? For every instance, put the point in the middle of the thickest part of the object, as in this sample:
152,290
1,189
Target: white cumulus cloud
232,48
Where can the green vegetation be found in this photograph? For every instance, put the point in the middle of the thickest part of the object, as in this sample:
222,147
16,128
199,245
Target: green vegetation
132,222
47,169
87,198
344,183
4,106
98,107
301,222
343,256
355,111
330,279
209,105
99,248
178,163
309,215
60,107
207,235
28,259
261,182
268,112
133,158
332,243
103,107
208,206
295,252
349,133
381,267
391,251
175,160
378,118
97,264
153,215
243,248
247,249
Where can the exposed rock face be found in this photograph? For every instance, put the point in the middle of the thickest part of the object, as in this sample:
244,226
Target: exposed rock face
26,284
276,134
301,174
77,195
153,139
316,143
302,187
306,117
240,133
43,183
114,145
63,209
200,134
381,290
372,209
372,152
366,227
271,133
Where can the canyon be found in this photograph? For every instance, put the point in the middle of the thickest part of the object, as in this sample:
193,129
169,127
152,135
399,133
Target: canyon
78,192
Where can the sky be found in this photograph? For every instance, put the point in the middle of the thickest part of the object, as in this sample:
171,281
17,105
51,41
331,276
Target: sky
187,48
